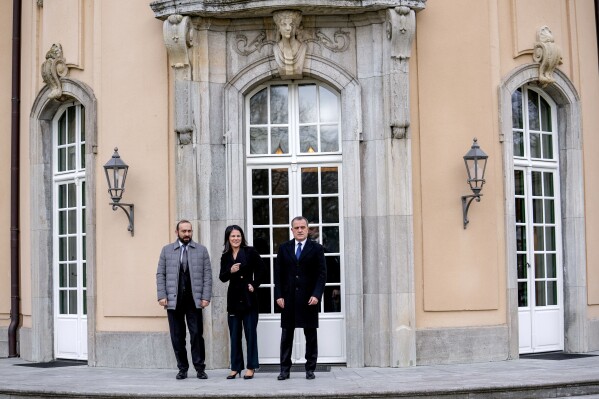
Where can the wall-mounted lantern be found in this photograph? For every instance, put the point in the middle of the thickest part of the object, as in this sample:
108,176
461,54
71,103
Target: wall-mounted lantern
116,173
476,164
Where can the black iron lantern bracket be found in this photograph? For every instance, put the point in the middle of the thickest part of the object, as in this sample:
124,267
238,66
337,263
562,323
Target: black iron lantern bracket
129,213
116,174
466,201
476,165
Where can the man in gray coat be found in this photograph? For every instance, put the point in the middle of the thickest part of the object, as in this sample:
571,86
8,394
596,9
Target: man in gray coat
184,285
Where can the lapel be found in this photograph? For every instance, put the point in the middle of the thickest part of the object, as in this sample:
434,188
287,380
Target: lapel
308,246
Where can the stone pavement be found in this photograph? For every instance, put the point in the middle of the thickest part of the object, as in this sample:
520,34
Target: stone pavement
522,378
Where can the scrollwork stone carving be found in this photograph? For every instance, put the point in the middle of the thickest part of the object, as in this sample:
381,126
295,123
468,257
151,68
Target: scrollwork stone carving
53,69
401,27
178,38
547,54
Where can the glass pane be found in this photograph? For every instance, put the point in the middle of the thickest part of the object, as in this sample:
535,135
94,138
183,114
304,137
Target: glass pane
258,140
258,108
266,277
83,221
62,249
547,146
260,209
309,180
533,110
549,211
280,182
539,266
521,238
538,238
307,103
548,183
308,139
333,269
545,115
551,265
72,195
330,239
279,140
332,299
550,238
62,222
522,294
329,138
72,229
62,159
537,210
520,210
72,248
261,241
537,187
82,124
82,156
328,106
84,275
73,275
310,209
71,157
264,300
84,301
519,182
551,293
62,129
313,233
280,210
62,196
517,109
540,293
522,266
518,144
279,109
280,235
62,275
260,182
535,145
72,302
329,180
330,210
71,125
62,300
84,248
83,193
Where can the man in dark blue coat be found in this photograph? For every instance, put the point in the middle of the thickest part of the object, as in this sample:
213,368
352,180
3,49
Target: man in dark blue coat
300,277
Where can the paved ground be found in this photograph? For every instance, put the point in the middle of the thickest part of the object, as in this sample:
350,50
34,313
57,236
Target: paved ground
523,378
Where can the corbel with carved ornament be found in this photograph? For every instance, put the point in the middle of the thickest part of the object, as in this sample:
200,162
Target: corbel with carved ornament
53,69
547,54
178,39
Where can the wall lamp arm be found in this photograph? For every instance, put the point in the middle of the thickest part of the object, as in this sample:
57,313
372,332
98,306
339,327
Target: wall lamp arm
129,213
466,201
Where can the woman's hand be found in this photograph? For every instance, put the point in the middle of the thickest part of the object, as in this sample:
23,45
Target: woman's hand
235,267
250,288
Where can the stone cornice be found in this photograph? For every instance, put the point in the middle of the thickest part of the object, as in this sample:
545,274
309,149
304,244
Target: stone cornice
259,8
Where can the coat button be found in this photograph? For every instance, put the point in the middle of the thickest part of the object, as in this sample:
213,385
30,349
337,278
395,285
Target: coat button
241,277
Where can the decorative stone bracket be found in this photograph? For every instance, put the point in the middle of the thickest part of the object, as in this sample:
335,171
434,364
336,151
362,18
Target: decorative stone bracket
178,38
53,69
547,54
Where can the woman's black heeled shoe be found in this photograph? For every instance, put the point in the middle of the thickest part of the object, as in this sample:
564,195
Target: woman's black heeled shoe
249,377
233,376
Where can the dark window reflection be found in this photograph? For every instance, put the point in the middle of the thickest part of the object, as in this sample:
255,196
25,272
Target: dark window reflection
330,239
329,180
309,180
260,182
333,269
280,235
262,241
260,211
310,209
264,299
280,181
522,294
332,299
330,210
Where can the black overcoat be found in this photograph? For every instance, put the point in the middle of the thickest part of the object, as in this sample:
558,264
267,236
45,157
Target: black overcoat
239,298
298,280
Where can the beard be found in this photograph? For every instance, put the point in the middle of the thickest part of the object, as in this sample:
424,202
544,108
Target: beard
184,240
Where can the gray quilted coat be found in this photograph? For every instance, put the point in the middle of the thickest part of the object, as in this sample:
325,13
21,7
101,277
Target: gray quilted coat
200,271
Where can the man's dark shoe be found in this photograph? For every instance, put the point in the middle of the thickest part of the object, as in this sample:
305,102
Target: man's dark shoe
202,375
283,376
181,375
310,375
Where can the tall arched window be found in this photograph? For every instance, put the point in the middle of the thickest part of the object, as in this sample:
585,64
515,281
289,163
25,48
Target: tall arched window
293,161
538,226
70,282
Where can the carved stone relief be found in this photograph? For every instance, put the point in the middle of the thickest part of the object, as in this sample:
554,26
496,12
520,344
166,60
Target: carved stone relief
290,50
547,54
53,69
401,26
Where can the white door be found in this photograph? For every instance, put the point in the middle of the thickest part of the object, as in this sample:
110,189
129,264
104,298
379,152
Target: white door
294,168
70,279
538,227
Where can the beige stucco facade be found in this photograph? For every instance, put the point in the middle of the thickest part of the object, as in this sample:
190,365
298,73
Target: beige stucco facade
462,54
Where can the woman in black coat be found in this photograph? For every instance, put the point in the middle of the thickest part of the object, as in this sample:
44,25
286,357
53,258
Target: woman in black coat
242,267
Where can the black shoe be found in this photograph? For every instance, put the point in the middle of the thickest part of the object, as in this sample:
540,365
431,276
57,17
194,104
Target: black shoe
202,375
249,376
283,376
181,375
233,375
310,375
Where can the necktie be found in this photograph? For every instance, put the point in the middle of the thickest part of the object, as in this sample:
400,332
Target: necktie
184,258
299,250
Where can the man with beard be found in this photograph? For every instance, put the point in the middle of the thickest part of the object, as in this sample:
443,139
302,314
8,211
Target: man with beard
184,285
